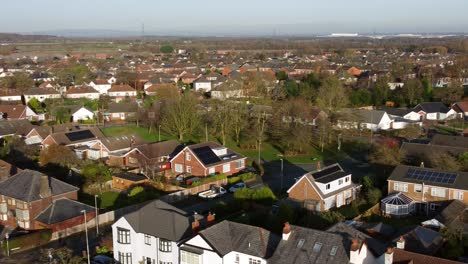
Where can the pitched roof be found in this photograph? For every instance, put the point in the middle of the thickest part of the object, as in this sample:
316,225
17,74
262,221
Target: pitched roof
418,150
26,186
158,149
172,223
61,210
431,107
18,127
81,90
228,236
9,92
73,137
40,91
121,142
13,111
401,256
299,248
401,171
453,215
122,108
121,88
207,156
423,240
447,140
328,174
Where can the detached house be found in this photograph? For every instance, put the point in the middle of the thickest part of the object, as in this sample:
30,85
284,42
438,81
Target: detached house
43,202
120,111
41,94
87,92
324,189
434,111
461,108
102,86
15,112
365,119
207,159
152,234
415,189
119,92
10,95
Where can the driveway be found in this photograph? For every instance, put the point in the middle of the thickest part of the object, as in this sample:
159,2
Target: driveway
201,206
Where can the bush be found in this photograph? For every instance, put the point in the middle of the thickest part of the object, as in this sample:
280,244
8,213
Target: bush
135,191
241,177
373,196
244,194
209,179
264,195
258,167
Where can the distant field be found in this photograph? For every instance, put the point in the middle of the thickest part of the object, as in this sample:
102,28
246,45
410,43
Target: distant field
73,47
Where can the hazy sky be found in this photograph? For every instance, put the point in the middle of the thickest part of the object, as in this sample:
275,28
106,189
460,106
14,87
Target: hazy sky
236,17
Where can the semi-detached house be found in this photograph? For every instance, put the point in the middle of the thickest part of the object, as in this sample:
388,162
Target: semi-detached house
207,158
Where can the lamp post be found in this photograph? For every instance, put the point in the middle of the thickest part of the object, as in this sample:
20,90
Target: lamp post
97,213
159,132
7,245
86,232
282,174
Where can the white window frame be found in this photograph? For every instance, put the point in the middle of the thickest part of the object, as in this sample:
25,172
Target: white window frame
147,239
226,167
188,169
400,187
189,257
437,192
212,171
417,188
179,168
165,245
188,157
458,195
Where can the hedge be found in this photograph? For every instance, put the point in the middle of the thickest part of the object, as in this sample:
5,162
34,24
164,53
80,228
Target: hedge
28,241
241,177
263,195
209,179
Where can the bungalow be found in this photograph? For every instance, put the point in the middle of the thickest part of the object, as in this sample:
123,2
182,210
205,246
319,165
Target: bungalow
18,127
81,113
207,159
41,94
81,138
434,111
34,207
119,92
38,133
365,119
10,95
208,82
153,89
461,108
15,112
77,92
120,112
324,189
102,86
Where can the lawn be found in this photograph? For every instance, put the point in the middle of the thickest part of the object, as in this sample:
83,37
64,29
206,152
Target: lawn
134,130
108,200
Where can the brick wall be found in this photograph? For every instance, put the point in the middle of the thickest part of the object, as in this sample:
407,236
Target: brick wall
303,190
417,196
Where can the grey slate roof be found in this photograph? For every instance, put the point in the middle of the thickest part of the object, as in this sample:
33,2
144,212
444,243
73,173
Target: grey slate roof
454,215
159,149
25,186
328,174
290,252
348,233
122,108
228,236
18,127
431,107
452,141
61,210
162,220
399,173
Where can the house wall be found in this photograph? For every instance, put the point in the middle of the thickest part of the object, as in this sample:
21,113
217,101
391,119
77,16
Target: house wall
303,190
334,185
205,86
243,258
10,98
450,193
83,114
92,96
71,222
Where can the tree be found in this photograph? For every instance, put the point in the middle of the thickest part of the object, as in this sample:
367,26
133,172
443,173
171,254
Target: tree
282,76
96,173
331,95
180,115
450,94
61,115
239,120
73,73
381,92
58,154
360,97
413,91
166,49
463,160
126,77
20,81
222,120
386,153
441,161
34,104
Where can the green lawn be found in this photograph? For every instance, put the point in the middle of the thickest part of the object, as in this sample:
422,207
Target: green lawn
134,130
108,199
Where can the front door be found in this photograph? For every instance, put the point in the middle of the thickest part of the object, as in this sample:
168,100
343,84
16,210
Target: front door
339,200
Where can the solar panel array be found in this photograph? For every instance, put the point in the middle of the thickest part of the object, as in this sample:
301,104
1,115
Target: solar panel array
431,176
206,155
80,135
325,172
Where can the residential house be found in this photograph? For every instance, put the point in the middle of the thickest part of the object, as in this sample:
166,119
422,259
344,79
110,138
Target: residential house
100,85
138,238
120,112
207,158
229,242
87,92
423,240
324,189
434,111
37,134
415,189
124,181
10,95
14,127
80,140
41,94
81,113
365,119
15,112
153,89
107,146
119,92
7,170
208,82
31,208
461,108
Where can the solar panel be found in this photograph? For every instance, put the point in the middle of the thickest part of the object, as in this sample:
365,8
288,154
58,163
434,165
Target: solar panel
325,172
206,155
431,176
80,135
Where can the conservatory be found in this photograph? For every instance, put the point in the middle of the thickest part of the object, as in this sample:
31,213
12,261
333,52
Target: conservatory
397,204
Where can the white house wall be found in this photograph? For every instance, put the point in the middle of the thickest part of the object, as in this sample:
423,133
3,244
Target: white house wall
334,185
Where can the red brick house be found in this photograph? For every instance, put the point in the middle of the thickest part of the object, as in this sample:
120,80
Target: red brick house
28,200
207,159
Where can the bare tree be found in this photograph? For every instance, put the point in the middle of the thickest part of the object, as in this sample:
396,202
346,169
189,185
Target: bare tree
180,115
332,96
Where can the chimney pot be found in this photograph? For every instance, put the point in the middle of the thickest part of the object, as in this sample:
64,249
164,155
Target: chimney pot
401,243
286,231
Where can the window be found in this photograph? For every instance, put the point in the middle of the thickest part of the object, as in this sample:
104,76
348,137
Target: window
226,167
147,239
347,194
317,247
190,258
327,187
239,164
347,179
437,192
458,195
189,169
187,156
434,206
400,187
254,261
340,181
125,258
179,168
418,188
211,171
165,245
123,236
22,215
237,260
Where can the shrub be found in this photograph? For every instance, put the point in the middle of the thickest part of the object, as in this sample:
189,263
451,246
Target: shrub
135,191
264,195
241,177
244,194
258,167
209,179
373,196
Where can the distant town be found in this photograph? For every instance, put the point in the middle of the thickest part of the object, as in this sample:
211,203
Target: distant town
161,150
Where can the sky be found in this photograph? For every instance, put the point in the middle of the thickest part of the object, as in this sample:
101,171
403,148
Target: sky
210,17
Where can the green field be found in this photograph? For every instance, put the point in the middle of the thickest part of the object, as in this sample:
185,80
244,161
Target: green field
142,132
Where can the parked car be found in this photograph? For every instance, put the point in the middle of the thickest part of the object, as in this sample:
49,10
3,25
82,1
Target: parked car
213,192
237,186
102,259
191,180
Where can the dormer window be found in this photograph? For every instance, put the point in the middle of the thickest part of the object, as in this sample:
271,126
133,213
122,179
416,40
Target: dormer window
317,247
347,179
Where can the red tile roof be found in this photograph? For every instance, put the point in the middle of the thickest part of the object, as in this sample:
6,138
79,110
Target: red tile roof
81,90
121,88
403,256
14,111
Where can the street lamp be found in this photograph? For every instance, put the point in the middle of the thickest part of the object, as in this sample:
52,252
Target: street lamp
86,231
7,246
159,132
97,213
282,174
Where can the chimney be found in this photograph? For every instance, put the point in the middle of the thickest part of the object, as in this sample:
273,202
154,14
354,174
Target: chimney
44,188
195,223
210,218
286,231
4,173
389,256
401,243
319,166
354,252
